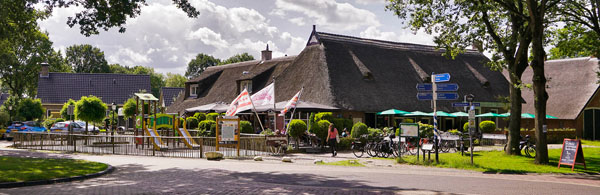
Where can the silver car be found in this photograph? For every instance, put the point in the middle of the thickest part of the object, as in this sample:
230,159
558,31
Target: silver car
77,127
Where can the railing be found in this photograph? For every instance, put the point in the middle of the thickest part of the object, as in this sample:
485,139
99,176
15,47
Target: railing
137,145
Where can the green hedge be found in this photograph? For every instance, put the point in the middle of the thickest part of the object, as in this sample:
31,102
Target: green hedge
200,116
425,130
297,128
192,122
328,116
466,127
345,143
212,116
246,127
320,130
209,127
487,126
359,129
374,132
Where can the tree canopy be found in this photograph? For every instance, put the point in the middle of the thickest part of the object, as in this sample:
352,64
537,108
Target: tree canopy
175,80
63,111
199,64
90,109
237,58
86,59
30,109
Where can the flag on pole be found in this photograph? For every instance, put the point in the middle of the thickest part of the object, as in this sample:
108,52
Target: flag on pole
292,103
265,96
240,103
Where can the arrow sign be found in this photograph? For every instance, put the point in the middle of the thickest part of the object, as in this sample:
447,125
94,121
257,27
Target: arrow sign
440,87
464,104
440,96
445,77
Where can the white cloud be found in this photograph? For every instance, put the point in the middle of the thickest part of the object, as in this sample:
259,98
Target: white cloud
298,21
373,33
405,36
208,37
328,13
367,2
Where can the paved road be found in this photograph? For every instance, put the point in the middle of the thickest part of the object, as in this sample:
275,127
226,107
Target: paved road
155,175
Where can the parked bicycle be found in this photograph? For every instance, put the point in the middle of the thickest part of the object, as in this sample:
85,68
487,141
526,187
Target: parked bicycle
526,145
358,146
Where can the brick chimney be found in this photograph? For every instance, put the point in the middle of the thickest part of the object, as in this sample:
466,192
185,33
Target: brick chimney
45,72
266,54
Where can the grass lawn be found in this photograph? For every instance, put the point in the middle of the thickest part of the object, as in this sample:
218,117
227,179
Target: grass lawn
498,162
590,143
15,169
349,163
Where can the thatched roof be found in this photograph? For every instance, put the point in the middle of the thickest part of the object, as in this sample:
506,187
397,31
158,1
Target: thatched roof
571,85
357,74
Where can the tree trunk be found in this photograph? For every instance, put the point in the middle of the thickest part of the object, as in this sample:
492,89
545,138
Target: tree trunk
537,13
514,128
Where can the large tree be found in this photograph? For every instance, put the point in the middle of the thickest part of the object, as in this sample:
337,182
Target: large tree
22,47
574,41
458,24
237,58
30,109
199,64
90,109
86,59
175,80
157,80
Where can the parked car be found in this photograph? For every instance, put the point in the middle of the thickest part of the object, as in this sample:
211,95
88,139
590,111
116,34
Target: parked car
91,128
77,127
28,126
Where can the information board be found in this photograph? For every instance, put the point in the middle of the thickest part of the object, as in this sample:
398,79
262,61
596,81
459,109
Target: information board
409,130
228,132
572,153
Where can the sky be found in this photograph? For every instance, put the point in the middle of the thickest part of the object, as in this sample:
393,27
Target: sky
163,37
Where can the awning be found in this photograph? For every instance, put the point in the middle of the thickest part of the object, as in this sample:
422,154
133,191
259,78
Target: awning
417,113
392,112
301,105
490,114
527,115
460,114
212,107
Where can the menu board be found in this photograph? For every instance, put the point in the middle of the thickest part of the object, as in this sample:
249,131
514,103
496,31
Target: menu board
572,153
409,130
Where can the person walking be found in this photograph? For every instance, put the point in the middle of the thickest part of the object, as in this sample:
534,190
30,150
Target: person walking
332,139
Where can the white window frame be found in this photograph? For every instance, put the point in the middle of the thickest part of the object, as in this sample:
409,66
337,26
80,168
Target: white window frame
194,90
246,84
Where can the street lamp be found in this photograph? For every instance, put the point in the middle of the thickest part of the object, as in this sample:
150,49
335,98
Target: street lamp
10,112
113,107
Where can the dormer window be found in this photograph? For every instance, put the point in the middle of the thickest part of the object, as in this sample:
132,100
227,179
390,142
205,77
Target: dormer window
194,90
246,84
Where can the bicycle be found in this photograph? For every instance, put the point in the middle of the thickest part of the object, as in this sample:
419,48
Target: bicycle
529,147
409,146
358,146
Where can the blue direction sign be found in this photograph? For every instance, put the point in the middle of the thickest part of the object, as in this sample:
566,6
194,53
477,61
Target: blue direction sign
440,96
464,104
440,87
445,77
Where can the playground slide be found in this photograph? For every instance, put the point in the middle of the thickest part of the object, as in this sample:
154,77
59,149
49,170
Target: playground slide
156,141
189,142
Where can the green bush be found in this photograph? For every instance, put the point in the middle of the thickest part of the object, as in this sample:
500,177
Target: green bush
345,143
338,123
297,128
267,132
374,132
32,109
205,124
246,127
425,130
311,120
200,116
192,122
348,124
328,116
213,129
129,107
487,126
48,123
408,120
359,129
453,131
320,130
397,132
65,108
4,119
58,120
466,127
90,109
212,116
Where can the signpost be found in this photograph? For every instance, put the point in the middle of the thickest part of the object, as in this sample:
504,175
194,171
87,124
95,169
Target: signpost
440,87
572,153
440,96
472,127
228,132
71,113
465,104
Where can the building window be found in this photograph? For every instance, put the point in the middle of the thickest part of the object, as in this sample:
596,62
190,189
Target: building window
194,90
246,84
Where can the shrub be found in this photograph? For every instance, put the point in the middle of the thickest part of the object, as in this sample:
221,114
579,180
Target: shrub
64,109
32,109
453,131
348,124
345,143
466,127
48,123
60,120
213,129
311,119
200,116
192,122
246,127
90,109
128,107
487,126
359,129
338,123
397,132
425,130
4,119
328,116
320,130
267,132
408,120
297,128
212,116
205,124
374,132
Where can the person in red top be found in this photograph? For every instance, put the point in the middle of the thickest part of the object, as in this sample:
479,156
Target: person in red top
332,139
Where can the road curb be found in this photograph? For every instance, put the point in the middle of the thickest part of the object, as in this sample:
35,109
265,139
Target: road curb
108,170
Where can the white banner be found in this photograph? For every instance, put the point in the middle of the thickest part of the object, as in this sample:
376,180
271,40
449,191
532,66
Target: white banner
266,96
292,103
240,103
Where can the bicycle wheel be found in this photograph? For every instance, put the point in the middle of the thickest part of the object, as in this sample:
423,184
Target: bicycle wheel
412,148
369,148
445,146
358,151
395,150
530,151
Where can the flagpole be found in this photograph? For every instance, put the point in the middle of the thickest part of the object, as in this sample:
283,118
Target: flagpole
274,106
293,111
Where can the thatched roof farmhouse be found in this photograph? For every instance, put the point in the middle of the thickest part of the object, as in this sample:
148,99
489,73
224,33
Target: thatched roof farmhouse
360,76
